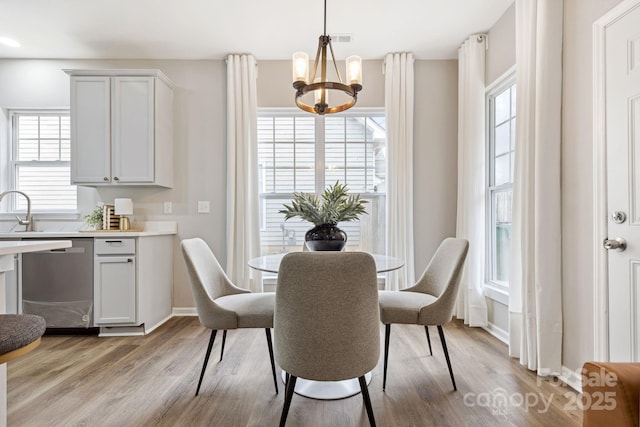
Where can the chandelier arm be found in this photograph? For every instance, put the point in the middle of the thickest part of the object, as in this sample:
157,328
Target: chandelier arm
315,61
323,64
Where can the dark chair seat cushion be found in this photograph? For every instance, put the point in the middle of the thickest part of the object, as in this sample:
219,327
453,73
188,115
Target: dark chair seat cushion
18,330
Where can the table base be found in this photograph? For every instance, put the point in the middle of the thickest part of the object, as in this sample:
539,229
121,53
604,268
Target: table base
328,390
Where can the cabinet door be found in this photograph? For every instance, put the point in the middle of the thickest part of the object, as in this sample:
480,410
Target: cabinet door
115,290
90,130
133,130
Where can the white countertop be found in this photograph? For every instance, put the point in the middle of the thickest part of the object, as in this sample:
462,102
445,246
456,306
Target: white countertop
88,233
17,247
143,229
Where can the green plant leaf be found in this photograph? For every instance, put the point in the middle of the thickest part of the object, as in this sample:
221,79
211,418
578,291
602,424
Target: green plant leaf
336,206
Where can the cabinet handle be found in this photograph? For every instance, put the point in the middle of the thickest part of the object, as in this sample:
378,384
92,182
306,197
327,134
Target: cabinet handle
115,178
105,179
129,260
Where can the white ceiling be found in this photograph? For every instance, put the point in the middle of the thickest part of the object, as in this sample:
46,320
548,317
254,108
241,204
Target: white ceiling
268,29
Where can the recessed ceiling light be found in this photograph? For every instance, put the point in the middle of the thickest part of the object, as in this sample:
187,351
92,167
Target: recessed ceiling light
9,42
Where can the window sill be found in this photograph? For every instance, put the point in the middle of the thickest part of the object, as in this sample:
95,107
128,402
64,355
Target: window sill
496,293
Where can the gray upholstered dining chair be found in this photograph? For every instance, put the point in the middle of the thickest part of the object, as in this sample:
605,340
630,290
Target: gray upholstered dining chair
430,301
220,304
326,320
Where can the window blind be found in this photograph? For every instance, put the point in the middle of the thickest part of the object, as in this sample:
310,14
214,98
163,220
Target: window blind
40,161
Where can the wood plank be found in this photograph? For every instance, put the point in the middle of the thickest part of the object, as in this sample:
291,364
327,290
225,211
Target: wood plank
151,381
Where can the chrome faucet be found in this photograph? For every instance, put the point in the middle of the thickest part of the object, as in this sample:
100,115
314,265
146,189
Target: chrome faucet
28,221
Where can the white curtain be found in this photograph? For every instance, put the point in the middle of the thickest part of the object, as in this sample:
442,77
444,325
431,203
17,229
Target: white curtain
470,222
535,290
243,232
398,102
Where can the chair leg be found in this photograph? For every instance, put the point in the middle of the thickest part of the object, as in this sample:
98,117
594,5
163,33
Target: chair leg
426,329
288,395
367,400
212,338
446,355
387,334
224,340
273,365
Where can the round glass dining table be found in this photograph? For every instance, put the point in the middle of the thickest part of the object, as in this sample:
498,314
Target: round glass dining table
271,263
325,390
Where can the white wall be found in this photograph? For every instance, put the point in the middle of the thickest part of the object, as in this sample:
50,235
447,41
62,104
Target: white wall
435,157
501,42
199,155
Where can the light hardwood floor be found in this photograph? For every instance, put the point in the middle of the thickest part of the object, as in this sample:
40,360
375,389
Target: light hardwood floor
151,381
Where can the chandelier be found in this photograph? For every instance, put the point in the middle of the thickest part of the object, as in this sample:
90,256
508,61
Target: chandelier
319,85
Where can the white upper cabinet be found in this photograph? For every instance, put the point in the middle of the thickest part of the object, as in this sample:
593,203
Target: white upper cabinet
121,128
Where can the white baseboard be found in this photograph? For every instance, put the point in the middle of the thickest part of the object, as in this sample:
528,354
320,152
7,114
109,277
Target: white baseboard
184,311
497,332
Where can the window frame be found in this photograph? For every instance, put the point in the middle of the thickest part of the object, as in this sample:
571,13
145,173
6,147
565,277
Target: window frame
11,164
320,182
496,290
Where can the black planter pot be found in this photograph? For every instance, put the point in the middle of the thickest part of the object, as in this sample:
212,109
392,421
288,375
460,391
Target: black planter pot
325,237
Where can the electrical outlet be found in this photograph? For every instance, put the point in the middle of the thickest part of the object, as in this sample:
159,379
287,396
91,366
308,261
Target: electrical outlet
204,206
168,207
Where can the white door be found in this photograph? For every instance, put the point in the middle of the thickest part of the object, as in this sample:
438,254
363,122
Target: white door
622,92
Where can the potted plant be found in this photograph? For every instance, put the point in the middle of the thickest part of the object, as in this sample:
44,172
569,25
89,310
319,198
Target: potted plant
94,219
335,205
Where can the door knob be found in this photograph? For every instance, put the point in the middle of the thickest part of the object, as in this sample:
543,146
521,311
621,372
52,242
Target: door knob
618,244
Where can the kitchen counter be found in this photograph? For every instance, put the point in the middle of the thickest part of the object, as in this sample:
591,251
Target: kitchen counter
142,229
18,247
83,233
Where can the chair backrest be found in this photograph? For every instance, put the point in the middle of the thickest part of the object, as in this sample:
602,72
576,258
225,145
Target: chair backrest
208,282
442,277
326,325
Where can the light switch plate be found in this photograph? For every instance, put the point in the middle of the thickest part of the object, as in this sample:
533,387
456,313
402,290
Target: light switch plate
204,206
168,207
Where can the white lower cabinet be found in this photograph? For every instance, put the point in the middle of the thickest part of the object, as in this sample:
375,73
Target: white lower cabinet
133,282
114,289
114,283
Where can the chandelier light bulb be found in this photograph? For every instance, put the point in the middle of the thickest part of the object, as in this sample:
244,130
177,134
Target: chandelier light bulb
300,64
354,70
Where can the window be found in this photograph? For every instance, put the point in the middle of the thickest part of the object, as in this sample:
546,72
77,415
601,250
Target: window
299,152
40,161
502,122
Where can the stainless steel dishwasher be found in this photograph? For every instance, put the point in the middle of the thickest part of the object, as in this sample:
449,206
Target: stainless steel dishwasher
58,285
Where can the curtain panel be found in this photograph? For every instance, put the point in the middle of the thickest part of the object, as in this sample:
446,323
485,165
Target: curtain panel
470,221
243,227
399,104
535,288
